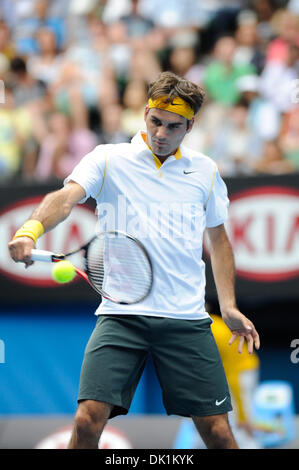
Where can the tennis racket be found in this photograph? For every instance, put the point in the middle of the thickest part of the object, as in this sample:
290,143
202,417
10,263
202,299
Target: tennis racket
116,265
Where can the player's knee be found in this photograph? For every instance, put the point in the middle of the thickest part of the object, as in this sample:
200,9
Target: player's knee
83,425
216,432
220,430
90,419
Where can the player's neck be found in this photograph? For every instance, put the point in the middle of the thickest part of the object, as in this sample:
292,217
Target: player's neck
162,158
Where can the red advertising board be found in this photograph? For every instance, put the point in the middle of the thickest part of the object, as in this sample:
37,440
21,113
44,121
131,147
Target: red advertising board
36,284
263,227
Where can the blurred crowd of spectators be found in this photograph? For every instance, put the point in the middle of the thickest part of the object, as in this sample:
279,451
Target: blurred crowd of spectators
74,74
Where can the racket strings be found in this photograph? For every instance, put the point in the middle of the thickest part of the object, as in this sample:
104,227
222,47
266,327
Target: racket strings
118,265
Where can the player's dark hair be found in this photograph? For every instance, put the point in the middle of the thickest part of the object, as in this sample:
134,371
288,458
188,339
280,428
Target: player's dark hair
172,86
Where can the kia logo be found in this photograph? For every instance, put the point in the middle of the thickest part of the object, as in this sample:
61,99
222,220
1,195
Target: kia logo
263,228
69,235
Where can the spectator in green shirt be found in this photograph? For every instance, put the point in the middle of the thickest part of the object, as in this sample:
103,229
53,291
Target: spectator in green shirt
221,75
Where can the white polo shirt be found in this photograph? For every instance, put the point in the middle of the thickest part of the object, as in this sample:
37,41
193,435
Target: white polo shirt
167,207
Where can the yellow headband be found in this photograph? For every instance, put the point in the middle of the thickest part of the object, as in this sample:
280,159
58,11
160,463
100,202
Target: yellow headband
177,106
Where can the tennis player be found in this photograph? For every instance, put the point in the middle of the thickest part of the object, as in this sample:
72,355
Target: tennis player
166,195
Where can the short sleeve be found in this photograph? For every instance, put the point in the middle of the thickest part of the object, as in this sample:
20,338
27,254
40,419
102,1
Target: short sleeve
217,203
90,173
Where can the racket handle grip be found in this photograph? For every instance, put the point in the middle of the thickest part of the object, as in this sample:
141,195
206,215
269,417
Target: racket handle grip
41,255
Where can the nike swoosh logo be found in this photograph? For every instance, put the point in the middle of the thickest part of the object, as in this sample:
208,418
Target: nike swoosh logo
217,403
188,172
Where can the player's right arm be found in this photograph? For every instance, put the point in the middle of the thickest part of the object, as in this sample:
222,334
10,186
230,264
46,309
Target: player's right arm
54,208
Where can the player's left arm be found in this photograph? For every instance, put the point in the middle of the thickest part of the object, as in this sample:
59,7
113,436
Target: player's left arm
223,266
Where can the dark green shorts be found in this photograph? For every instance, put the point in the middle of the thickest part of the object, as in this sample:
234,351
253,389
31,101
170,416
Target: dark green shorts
185,357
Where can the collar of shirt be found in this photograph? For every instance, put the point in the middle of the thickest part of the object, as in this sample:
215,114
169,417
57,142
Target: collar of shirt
139,140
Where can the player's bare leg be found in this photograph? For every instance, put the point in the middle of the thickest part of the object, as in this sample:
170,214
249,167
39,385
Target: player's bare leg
90,420
215,431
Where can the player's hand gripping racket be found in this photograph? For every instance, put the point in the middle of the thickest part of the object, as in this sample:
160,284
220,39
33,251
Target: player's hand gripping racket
116,265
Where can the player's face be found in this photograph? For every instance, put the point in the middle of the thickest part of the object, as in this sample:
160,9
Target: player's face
165,131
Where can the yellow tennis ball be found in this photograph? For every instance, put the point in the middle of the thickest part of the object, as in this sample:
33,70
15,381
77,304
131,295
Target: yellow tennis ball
63,272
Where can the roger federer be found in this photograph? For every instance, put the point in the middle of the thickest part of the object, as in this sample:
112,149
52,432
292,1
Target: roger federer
166,195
